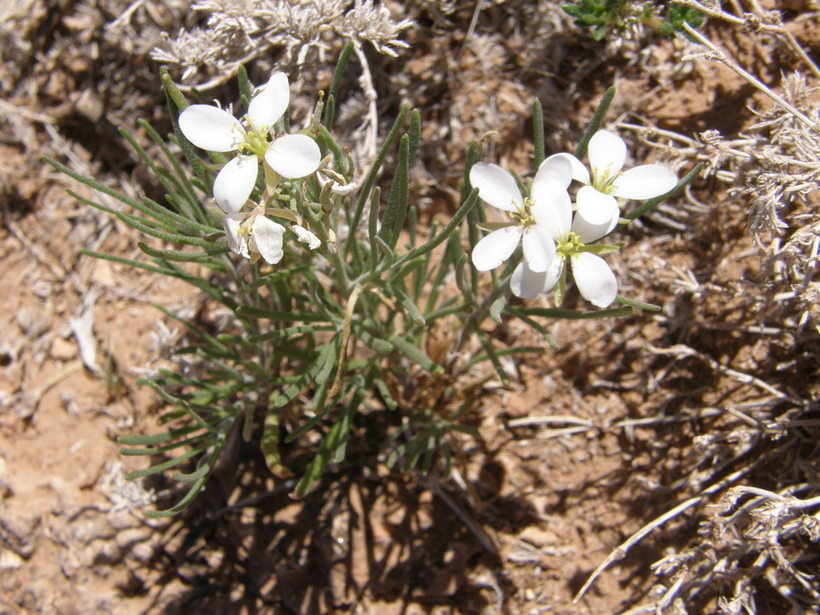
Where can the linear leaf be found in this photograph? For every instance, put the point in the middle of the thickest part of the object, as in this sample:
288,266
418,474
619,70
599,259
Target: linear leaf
161,467
595,123
327,354
336,84
254,312
367,186
574,315
415,354
639,305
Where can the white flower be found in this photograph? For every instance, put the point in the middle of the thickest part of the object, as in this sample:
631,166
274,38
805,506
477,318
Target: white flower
305,236
216,130
575,248
254,235
596,200
529,218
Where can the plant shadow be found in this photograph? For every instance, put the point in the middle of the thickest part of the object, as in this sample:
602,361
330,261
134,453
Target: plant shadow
356,540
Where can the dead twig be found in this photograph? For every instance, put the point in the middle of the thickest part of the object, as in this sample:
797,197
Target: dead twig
621,550
720,56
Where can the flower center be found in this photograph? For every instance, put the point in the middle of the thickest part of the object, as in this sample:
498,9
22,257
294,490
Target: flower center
603,179
523,215
570,245
255,143
246,226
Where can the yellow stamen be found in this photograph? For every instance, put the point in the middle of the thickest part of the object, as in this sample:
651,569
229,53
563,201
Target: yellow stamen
570,245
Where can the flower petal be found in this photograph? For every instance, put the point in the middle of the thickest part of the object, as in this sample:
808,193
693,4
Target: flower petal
211,128
270,103
607,153
590,233
597,208
554,168
266,239
234,183
552,207
644,182
305,236
595,280
496,186
539,248
496,247
293,156
236,240
528,284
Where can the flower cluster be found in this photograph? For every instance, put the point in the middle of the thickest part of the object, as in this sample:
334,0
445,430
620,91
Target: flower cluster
254,138
553,239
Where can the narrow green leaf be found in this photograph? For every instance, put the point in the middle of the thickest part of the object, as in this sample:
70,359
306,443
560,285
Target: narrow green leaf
91,183
465,429
538,133
193,207
270,445
336,84
189,408
201,472
498,306
204,335
163,175
376,344
446,311
445,232
534,325
159,438
415,354
182,504
372,227
417,446
472,156
409,306
573,315
491,354
155,223
381,387
245,89
181,223
600,248
595,123
275,276
414,133
639,305
446,264
212,290
186,257
172,90
254,312
461,279
367,186
433,444
344,432
317,466
326,354
397,202
300,330
387,252
505,352
164,448
161,467
399,273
